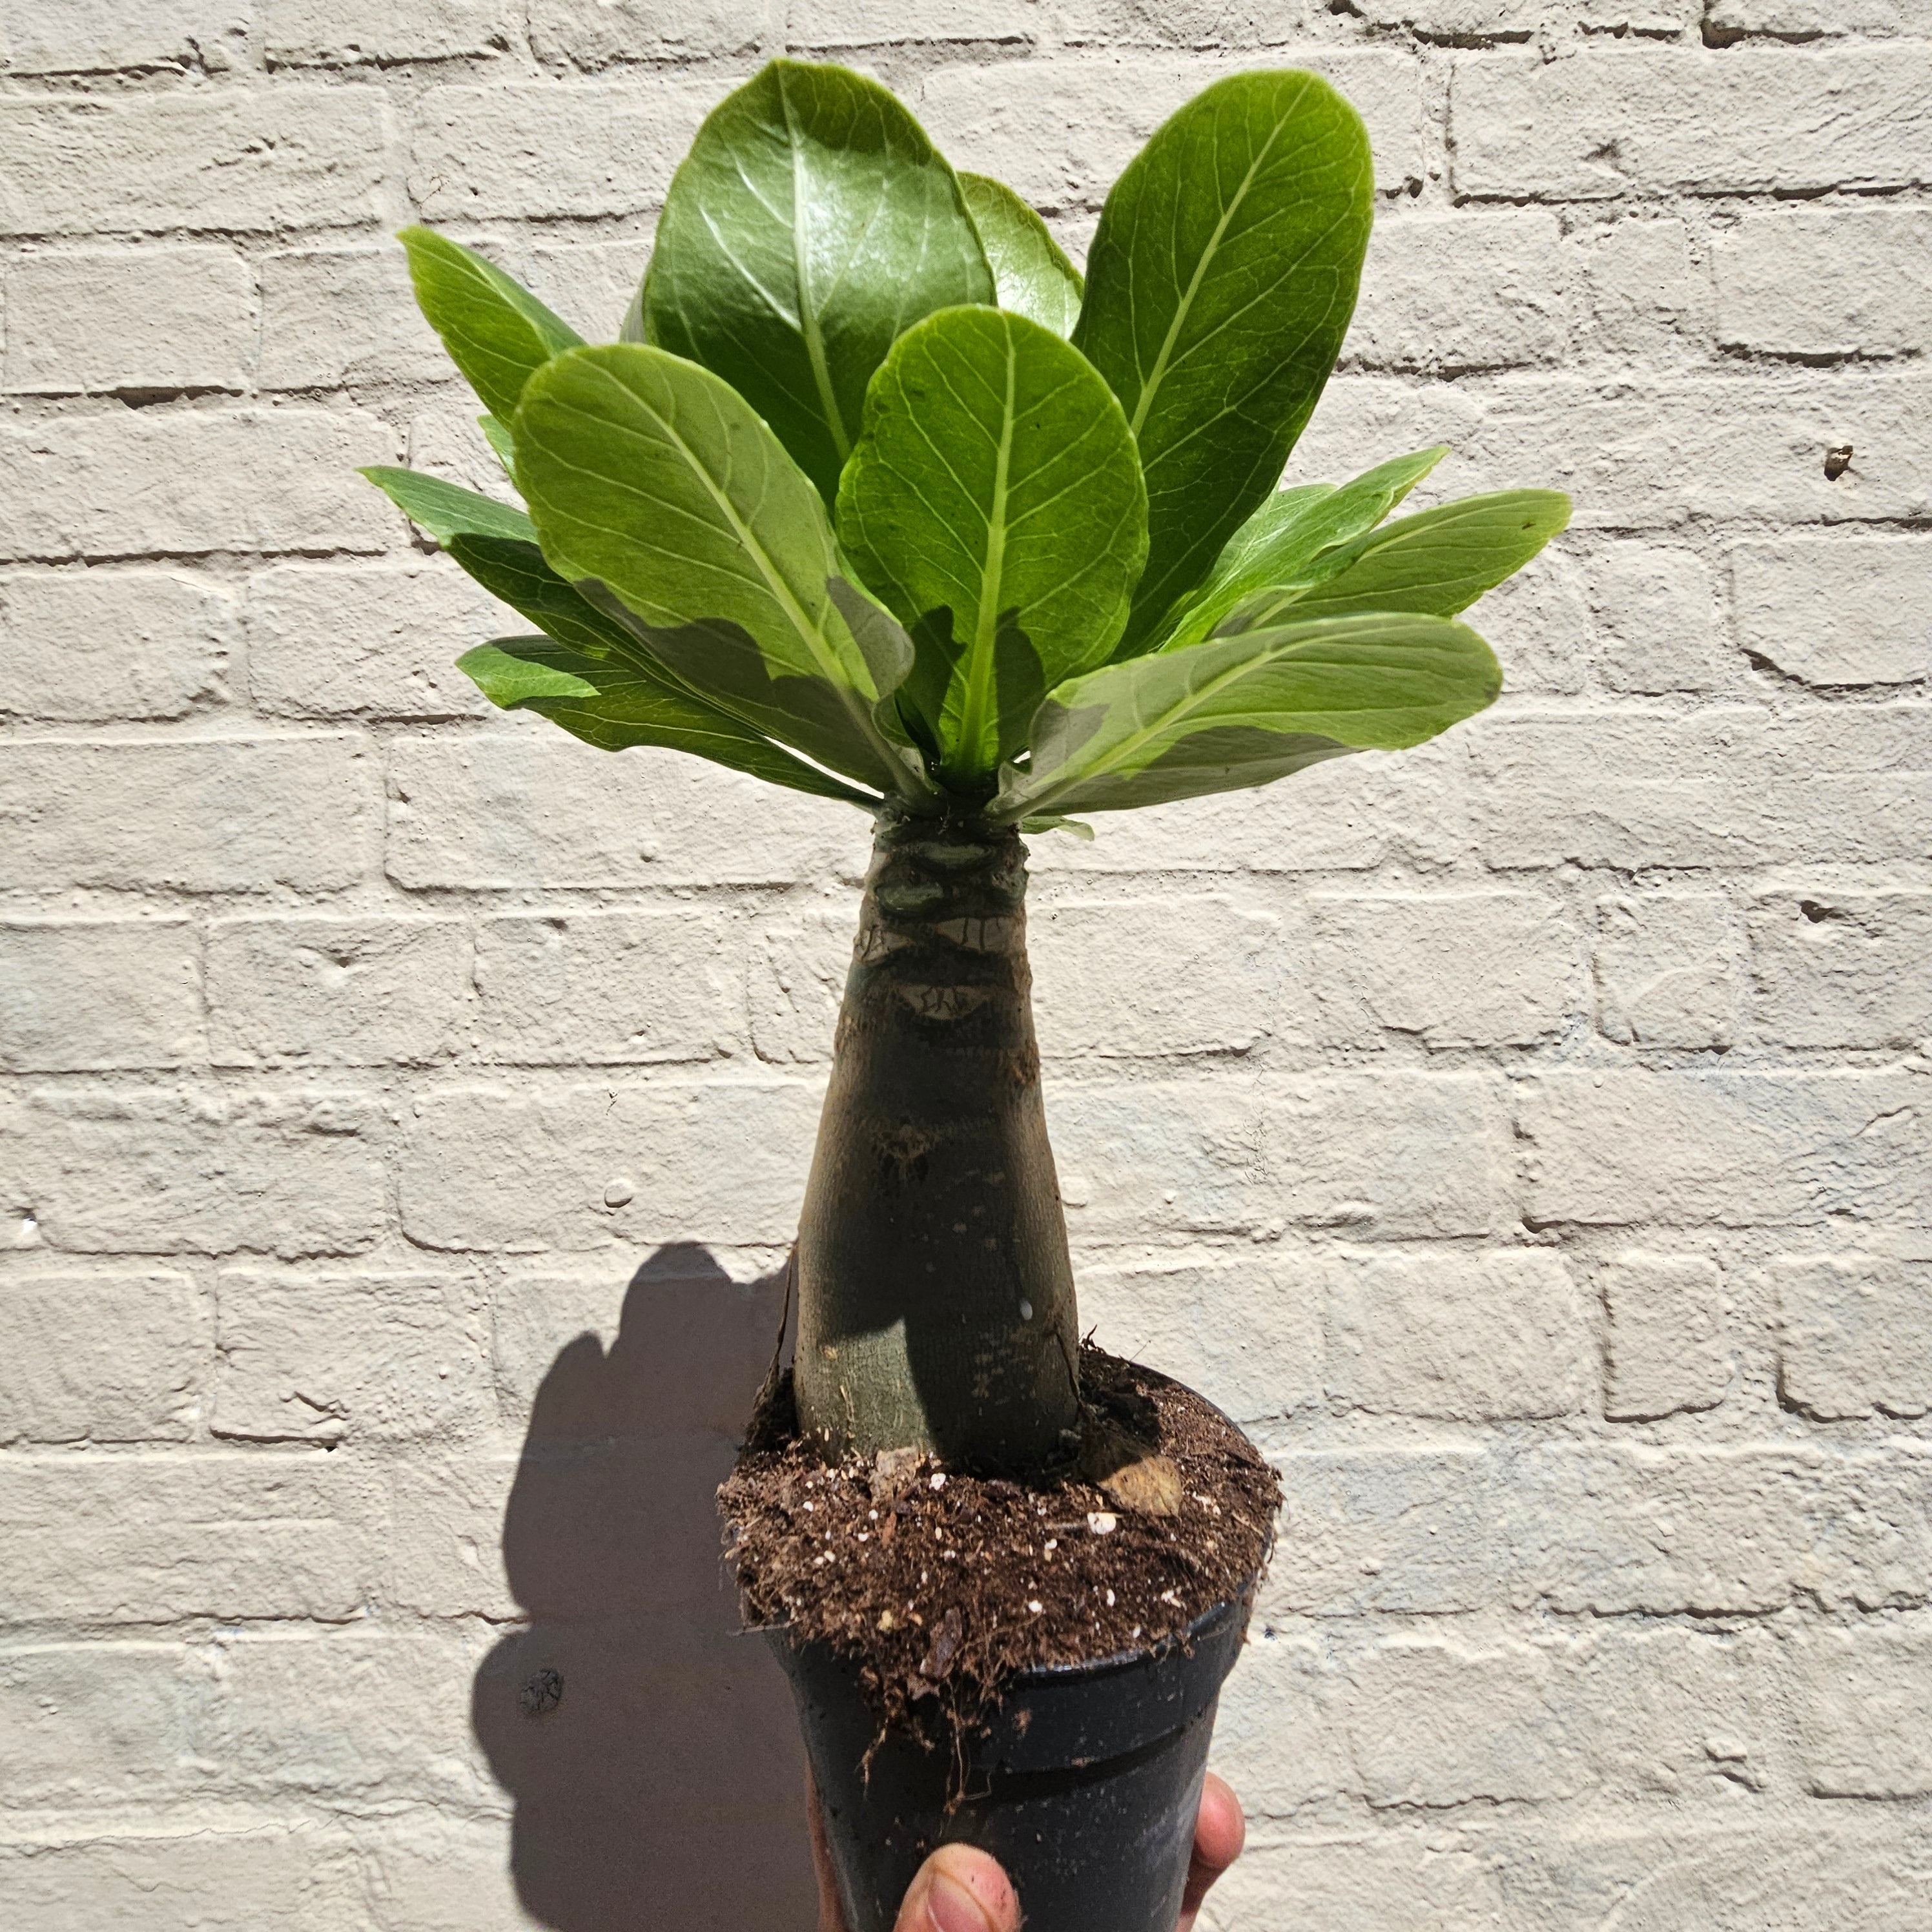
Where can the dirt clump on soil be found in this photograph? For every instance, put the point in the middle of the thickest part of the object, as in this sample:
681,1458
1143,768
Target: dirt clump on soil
944,1585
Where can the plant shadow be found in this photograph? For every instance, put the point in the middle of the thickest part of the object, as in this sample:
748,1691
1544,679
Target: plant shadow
649,1745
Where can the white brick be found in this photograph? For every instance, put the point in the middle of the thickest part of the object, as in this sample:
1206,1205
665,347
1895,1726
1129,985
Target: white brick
101,1358
208,815
445,439
1837,610
484,1169
1665,970
338,318
164,1172
1060,132
92,993
1339,1881
1437,1723
377,642
1738,1529
82,1723
608,988
1689,1149
1608,121
1388,1154
1667,1349
527,805
1277,1739
341,33
1447,293
350,1358
1143,977
1801,18
1656,621
1843,969
203,160
185,484
446,1516
680,1350
589,283
1538,622
1660,450
1246,1333
1855,1335
592,34
1733,787
1866,1723
192,328
1177,1156
215,1880
339,1715
1815,281
1494,1336
1641,293
859,23
1456,970
83,646
336,992
152,1538
518,150
1187,23
100,36
797,981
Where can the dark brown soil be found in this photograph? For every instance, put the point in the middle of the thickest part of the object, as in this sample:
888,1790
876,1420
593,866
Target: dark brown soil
946,1585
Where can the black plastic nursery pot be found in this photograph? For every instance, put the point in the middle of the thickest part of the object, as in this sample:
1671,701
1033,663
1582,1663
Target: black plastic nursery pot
1084,1785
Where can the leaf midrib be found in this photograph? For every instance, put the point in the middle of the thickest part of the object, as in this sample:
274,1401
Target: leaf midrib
807,314
986,631
1150,385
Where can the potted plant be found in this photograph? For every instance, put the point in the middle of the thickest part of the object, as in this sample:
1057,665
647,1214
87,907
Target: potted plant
875,499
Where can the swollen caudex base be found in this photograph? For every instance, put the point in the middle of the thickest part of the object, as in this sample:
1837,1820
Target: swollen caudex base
935,1295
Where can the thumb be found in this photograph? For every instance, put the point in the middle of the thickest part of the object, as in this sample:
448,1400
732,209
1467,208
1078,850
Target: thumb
959,1889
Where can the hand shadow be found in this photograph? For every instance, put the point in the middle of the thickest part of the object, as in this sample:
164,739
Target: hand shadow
648,1743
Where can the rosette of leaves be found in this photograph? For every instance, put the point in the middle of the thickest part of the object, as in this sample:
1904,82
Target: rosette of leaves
876,498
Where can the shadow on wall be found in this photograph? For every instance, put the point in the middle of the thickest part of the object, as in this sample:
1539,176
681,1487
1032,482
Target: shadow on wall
649,1745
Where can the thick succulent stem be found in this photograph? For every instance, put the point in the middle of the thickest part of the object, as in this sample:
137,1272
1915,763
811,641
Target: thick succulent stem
935,1295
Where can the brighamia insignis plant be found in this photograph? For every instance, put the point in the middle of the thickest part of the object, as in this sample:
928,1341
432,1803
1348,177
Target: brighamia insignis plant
875,499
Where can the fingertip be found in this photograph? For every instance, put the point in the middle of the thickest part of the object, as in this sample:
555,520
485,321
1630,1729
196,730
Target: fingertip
964,1890
1221,1830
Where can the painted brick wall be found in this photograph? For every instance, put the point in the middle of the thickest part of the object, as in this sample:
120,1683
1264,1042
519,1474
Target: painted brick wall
404,1109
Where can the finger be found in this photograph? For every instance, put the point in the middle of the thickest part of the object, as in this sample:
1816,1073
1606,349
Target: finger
831,1913
959,1889
1219,1832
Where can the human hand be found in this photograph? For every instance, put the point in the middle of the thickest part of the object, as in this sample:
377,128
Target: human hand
959,1889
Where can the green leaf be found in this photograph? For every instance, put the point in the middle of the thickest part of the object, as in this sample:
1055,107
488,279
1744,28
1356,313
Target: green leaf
1047,822
516,574
1219,286
655,478
994,503
1030,271
1438,561
1241,711
614,706
497,436
497,333
1296,539
447,510
811,224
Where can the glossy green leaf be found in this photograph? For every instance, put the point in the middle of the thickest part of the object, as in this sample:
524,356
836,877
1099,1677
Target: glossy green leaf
1295,540
1438,561
1030,271
811,224
447,510
614,705
654,481
1219,287
994,503
497,333
1241,711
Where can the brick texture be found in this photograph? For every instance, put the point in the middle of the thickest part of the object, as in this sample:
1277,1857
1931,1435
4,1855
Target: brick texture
404,1108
